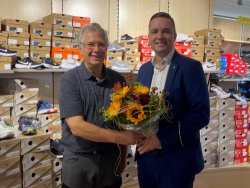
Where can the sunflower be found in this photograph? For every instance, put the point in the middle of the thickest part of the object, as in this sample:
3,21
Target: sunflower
135,113
120,93
140,90
114,108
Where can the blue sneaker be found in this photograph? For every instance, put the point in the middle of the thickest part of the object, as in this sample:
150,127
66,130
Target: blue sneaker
28,125
44,107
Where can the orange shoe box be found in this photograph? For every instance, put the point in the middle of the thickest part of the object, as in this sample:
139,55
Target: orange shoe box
79,21
58,52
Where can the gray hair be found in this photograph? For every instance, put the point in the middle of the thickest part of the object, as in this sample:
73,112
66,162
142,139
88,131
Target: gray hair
95,27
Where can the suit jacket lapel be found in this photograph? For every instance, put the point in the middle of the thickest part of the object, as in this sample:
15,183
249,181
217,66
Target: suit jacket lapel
172,71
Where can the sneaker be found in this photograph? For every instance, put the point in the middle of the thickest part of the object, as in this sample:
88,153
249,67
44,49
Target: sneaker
219,91
6,130
44,107
56,147
115,48
209,66
120,66
127,38
50,63
27,63
28,125
6,52
69,64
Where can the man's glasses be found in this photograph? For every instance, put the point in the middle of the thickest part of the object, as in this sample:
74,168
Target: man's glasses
91,46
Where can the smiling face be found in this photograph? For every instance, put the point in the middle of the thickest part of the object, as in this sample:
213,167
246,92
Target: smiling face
93,48
161,35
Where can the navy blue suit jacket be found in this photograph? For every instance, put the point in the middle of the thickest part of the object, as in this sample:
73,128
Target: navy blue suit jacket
188,95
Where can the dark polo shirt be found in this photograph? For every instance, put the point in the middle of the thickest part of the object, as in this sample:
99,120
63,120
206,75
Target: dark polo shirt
82,95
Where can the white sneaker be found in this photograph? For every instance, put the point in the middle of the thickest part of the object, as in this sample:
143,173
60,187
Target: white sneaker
121,66
6,131
209,66
222,94
69,64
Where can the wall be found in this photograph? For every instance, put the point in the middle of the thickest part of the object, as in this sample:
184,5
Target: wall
118,17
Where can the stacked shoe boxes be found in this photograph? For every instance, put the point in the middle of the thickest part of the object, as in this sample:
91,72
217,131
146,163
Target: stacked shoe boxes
77,22
10,175
241,130
51,124
226,139
130,172
25,102
6,103
56,172
212,41
36,160
18,36
144,48
132,54
113,56
3,38
40,40
209,136
62,33
197,47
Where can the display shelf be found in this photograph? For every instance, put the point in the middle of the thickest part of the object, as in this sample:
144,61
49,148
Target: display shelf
234,79
237,41
6,71
40,70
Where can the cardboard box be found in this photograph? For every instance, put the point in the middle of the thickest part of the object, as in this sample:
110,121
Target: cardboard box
10,148
4,113
34,143
62,31
37,175
58,19
20,109
208,32
19,38
197,39
114,56
61,42
13,25
6,101
57,180
79,21
26,97
39,52
76,32
35,160
56,165
22,51
11,181
10,166
40,40
3,38
58,52
130,56
40,28
45,119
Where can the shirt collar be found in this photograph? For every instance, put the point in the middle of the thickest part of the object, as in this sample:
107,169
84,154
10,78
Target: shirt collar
165,61
87,75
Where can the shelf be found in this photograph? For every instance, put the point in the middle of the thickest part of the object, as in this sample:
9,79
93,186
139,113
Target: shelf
236,41
234,79
6,71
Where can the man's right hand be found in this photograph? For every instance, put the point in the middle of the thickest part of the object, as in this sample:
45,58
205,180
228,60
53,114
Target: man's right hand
129,137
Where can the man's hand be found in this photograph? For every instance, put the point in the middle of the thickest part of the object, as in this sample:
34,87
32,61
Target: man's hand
148,144
129,137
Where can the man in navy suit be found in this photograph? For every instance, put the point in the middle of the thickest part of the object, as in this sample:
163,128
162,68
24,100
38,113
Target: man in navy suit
172,157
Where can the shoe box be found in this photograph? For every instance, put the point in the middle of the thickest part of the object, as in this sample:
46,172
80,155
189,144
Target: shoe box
76,54
61,53
35,160
61,42
3,38
10,166
6,101
197,50
11,181
208,32
130,46
76,32
40,40
62,31
5,62
58,19
197,39
39,52
38,177
114,56
13,25
18,38
79,21
40,28
22,51
10,148
132,56
130,172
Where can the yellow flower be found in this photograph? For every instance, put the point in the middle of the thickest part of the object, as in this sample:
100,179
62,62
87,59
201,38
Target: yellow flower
140,90
120,93
135,113
114,108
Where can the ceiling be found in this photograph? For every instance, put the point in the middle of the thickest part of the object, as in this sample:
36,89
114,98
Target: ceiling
232,8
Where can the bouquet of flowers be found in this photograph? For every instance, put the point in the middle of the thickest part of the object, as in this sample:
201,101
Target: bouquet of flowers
135,107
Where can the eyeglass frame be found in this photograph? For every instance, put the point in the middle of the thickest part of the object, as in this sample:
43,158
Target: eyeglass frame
92,46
